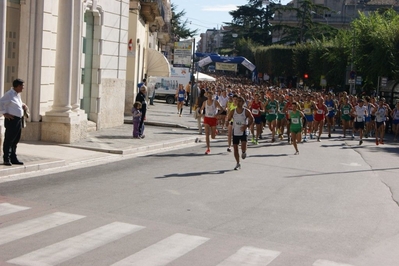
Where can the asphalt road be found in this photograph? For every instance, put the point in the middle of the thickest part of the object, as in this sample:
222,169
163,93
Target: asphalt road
333,205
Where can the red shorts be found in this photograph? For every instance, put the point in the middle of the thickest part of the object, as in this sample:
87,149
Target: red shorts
319,117
210,121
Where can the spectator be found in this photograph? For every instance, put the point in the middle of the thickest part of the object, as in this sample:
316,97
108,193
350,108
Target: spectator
12,108
141,98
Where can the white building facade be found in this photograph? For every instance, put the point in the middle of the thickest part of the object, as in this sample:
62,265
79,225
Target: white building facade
74,56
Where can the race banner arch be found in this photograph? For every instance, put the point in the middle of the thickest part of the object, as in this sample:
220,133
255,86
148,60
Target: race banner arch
228,60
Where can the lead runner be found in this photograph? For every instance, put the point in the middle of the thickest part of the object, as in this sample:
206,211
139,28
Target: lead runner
242,120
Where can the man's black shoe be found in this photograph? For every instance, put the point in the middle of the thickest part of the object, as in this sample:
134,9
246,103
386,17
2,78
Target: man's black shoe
8,163
17,162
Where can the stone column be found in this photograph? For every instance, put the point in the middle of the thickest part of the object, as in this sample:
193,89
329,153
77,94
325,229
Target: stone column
3,28
63,60
77,54
61,124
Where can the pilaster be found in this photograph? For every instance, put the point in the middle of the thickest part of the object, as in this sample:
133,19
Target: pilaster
61,124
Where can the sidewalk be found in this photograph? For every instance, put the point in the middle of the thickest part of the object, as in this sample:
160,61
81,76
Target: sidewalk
164,128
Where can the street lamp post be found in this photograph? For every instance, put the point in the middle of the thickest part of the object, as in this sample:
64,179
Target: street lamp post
234,35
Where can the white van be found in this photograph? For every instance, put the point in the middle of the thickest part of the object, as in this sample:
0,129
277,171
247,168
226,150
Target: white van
165,87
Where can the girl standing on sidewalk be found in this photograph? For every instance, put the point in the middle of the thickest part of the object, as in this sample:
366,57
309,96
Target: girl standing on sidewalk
136,119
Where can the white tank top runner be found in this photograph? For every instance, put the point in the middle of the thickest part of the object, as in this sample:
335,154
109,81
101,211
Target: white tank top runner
238,121
210,110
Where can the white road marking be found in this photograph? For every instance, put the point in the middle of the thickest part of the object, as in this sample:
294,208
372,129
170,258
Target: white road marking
164,251
78,245
250,256
7,208
37,225
328,263
352,164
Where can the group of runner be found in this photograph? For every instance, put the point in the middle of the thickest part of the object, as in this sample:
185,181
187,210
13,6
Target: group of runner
246,110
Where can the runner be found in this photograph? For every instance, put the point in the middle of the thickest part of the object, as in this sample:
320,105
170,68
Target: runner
360,113
256,109
242,120
223,99
296,125
331,108
271,109
381,113
231,105
308,108
287,111
346,110
395,121
370,108
211,108
320,116
281,119
180,97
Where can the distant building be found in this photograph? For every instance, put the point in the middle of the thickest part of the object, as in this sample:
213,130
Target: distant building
211,41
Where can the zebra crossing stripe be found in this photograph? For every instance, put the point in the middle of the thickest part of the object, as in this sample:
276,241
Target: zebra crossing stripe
250,256
7,208
328,263
78,245
164,251
37,225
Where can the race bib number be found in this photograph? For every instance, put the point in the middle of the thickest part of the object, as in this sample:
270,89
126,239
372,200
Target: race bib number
272,111
181,95
295,120
360,118
330,109
255,111
320,112
346,112
289,111
307,110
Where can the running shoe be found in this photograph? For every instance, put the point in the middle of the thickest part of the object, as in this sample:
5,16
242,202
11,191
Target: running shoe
280,137
253,140
256,142
296,153
238,166
329,136
208,151
229,149
353,136
311,136
260,136
318,139
360,142
244,155
376,142
382,141
273,140
305,140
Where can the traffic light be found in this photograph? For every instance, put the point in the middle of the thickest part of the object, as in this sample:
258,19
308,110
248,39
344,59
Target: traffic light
305,76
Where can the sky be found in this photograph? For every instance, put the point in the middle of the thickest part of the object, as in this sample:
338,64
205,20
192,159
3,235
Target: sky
209,14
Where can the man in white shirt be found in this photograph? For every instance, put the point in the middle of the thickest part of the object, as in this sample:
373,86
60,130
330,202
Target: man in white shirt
12,108
360,114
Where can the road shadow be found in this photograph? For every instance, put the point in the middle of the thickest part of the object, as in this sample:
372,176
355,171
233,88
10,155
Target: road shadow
344,172
269,155
185,155
216,172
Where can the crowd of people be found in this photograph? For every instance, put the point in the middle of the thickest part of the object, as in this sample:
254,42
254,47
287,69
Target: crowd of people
244,111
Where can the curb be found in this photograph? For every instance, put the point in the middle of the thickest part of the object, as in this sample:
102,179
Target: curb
31,167
145,148
162,124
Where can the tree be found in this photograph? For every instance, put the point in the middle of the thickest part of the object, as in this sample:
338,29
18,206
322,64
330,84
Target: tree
252,21
307,28
179,27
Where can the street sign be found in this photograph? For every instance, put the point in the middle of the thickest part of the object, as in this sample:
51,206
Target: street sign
359,80
351,81
384,81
